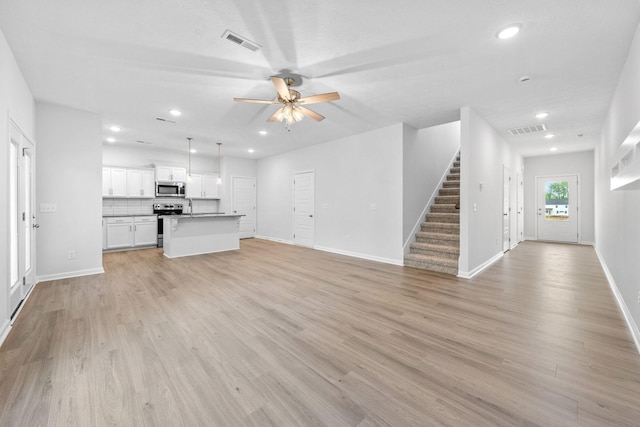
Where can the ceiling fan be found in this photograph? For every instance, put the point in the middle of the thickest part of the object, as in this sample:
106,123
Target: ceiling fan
292,110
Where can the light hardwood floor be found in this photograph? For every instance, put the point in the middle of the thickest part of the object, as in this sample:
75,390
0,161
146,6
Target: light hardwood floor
277,335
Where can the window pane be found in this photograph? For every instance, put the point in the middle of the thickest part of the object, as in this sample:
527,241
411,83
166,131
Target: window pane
556,200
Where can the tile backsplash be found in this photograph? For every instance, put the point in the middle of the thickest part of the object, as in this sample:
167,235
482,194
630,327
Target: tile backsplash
130,207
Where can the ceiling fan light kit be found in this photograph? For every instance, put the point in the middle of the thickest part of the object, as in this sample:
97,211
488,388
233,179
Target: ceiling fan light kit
291,111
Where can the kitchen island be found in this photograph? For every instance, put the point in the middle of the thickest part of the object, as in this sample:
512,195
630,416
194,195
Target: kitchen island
196,234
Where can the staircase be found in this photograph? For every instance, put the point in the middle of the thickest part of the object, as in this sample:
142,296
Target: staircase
437,245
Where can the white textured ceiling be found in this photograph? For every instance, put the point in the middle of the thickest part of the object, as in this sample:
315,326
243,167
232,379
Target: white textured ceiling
407,61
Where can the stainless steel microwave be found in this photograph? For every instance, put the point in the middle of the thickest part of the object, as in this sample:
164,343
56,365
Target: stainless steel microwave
170,189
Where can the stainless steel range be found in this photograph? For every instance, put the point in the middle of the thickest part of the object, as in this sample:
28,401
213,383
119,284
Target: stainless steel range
164,209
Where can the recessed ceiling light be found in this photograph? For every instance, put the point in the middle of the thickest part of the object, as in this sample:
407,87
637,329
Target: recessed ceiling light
112,140
175,112
263,132
508,31
251,150
114,128
549,136
553,149
193,150
541,115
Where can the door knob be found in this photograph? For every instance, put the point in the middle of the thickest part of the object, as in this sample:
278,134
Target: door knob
310,216
36,225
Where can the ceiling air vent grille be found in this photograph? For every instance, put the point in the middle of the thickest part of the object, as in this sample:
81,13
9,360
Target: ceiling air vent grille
524,130
242,41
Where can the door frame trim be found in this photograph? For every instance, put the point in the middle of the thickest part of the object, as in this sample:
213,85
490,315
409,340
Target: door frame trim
579,204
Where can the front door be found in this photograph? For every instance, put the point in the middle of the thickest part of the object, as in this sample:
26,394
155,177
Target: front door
557,208
303,208
243,196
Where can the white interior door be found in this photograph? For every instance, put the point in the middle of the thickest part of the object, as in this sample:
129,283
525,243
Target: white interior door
22,217
520,202
506,209
557,208
243,196
303,208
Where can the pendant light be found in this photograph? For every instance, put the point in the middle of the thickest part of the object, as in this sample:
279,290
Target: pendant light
189,170
219,169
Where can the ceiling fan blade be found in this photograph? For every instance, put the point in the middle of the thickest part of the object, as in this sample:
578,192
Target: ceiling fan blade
281,87
325,97
276,115
255,101
310,114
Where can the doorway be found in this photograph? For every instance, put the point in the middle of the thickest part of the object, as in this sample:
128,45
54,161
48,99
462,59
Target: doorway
22,240
520,205
557,208
506,209
303,208
243,200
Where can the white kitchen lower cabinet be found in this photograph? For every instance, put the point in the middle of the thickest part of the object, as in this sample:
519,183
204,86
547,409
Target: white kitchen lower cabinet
131,232
119,232
145,231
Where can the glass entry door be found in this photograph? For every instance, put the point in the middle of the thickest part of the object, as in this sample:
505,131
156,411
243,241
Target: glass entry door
557,208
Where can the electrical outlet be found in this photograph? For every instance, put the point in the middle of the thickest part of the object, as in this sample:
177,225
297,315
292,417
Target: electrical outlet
72,254
48,208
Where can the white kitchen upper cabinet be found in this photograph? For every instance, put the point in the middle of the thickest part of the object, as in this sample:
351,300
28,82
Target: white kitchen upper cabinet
140,183
209,186
114,182
202,186
171,173
194,186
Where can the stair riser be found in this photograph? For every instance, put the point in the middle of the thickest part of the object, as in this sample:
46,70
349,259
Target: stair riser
430,266
451,184
455,170
456,164
440,228
450,191
448,200
441,242
444,209
428,252
453,177
446,218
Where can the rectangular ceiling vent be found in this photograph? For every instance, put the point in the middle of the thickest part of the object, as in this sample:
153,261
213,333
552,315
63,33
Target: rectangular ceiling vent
524,130
242,41
162,119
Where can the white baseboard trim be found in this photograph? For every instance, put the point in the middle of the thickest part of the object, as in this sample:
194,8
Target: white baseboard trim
4,331
361,256
478,269
70,274
273,239
587,243
530,238
633,327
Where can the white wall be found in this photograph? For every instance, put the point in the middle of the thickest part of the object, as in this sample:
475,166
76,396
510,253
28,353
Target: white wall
16,102
234,166
69,165
561,164
351,175
146,155
427,154
617,224
484,153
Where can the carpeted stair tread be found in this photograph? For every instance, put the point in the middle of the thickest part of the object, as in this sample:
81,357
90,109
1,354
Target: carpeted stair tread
451,184
448,200
443,217
445,208
453,177
449,191
440,227
441,251
441,265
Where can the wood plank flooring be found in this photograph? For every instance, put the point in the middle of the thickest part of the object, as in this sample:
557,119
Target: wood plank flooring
277,335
